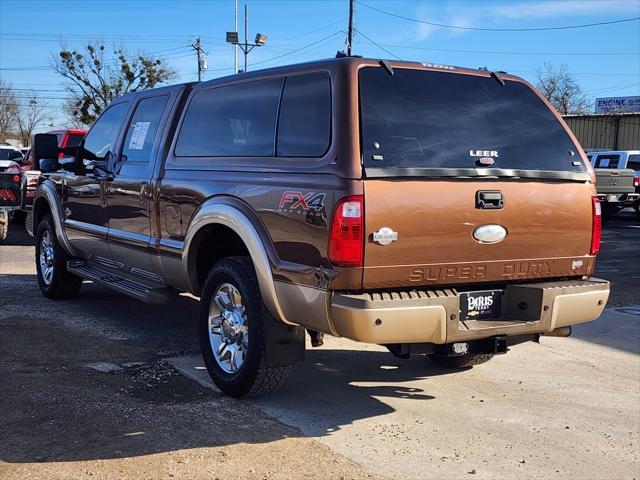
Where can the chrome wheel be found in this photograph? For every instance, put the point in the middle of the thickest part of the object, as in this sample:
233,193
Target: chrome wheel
47,257
228,328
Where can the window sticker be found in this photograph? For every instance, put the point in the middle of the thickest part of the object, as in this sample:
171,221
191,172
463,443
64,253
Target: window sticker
139,135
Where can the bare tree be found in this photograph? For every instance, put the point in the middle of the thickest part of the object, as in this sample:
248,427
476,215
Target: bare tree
8,111
561,89
95,78
30,116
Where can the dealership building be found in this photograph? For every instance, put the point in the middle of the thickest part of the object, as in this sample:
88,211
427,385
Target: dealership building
615,125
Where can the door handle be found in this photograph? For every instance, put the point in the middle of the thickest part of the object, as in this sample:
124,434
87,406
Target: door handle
489,199
145,193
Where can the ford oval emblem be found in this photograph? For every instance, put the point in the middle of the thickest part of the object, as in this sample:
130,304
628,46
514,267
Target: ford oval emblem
490,233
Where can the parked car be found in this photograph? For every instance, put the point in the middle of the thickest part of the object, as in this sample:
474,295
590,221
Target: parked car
11,187
431,209
7,152
618,179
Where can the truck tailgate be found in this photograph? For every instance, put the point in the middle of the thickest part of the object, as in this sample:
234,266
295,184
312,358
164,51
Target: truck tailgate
611,180
11,187
548,228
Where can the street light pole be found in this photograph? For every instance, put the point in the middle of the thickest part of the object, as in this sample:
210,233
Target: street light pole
246,30
246,47
235,45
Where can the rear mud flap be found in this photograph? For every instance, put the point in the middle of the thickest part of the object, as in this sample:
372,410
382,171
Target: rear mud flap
284,344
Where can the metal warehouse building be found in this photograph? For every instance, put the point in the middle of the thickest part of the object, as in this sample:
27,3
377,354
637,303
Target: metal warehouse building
606,131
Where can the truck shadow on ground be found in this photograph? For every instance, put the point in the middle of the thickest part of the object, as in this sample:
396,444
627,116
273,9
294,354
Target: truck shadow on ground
57,407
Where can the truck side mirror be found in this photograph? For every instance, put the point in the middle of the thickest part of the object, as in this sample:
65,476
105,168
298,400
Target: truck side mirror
45,151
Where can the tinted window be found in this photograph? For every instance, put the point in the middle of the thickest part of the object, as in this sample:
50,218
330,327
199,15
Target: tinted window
142,129
99,140
74,140
607,161
633,162
8,154
305,116
421,119
233,121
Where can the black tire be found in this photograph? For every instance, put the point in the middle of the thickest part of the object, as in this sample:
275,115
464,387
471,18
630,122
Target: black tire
636,207
253,377
461,361
61,284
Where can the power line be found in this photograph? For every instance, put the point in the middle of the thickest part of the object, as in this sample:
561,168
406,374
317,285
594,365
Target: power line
379,46
496,52
487,29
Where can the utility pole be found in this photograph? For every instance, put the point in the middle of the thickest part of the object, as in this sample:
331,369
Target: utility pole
202,62
350,30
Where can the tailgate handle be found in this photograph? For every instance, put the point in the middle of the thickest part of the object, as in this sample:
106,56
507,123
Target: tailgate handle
489,199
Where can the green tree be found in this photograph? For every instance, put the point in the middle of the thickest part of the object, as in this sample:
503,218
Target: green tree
95,77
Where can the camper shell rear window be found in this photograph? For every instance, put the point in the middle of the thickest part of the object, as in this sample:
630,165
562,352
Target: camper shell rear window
425,123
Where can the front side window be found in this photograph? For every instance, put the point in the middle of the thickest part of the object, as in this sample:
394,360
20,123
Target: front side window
607,161
304,127
231,121
421,121
142,129
99,141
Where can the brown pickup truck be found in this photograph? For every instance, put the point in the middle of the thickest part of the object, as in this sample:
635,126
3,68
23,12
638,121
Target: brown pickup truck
434,210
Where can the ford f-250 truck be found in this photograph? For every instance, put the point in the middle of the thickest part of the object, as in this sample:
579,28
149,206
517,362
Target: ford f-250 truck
432,209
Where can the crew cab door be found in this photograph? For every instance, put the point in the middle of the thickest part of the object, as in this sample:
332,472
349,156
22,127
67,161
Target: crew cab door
85,201
130,191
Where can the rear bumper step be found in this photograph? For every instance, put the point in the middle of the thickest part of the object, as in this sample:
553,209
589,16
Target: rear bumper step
433,316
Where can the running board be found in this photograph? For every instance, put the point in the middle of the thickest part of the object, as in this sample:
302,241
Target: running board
135,288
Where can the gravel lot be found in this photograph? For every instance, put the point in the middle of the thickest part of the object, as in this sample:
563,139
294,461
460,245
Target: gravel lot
88,390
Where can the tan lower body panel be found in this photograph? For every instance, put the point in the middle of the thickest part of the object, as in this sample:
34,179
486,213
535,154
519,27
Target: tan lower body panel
432,316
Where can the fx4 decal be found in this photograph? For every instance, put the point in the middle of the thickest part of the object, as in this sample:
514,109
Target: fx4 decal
291,202
309,204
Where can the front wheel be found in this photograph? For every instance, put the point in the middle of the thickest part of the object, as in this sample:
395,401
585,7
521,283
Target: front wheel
461,361
54,280
231,331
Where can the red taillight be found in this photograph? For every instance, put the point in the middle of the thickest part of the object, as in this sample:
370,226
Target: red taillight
346,240
596,231
7,195
16,178
636,181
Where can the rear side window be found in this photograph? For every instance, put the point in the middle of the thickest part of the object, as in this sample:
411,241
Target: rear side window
426,122
231,121
607,161
304,127
633,162
74,140
142,129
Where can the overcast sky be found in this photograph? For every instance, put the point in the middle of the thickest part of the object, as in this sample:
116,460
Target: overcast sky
605,59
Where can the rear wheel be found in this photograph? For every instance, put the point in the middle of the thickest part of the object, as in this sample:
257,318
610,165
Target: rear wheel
461,361
54,280
231,331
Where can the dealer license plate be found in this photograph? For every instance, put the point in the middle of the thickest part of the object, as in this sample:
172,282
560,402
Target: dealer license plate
483,305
